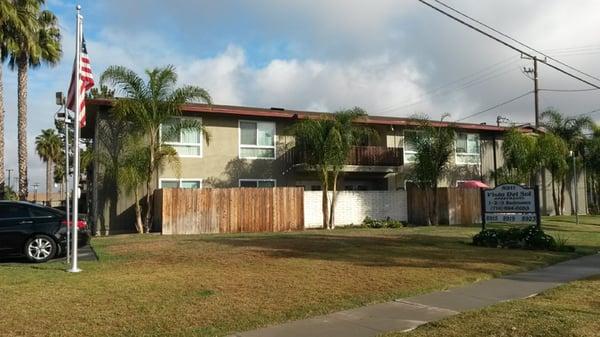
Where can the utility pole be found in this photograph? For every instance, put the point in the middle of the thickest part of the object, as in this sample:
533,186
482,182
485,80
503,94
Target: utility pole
9,181
536,99
573,154
536,103
536,92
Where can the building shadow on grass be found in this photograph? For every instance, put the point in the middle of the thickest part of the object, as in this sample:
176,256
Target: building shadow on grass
407,250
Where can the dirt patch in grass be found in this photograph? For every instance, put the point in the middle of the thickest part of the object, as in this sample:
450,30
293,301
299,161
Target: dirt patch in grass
153,285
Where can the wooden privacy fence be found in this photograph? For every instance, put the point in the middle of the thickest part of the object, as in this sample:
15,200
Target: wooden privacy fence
229,210
456,205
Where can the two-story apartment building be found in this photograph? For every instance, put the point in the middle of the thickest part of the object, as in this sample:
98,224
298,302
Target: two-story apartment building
253,147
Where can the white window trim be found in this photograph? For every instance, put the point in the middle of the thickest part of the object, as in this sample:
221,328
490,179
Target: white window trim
257,180
201,144
240,146
179,181
458,154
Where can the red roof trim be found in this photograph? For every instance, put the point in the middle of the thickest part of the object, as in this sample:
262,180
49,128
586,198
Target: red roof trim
262,112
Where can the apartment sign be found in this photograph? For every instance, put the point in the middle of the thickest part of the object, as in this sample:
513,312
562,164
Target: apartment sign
510,203
510,198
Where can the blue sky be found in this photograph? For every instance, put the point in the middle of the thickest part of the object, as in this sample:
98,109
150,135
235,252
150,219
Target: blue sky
393,58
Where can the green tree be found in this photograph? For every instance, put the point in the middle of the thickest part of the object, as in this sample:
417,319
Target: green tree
552,152
592,162
48,147
434,146
325,144
11,21
520,162
32,41
132,174
572,130
346,134
148,105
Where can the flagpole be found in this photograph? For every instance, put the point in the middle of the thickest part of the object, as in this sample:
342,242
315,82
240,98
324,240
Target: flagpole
68,206
74,267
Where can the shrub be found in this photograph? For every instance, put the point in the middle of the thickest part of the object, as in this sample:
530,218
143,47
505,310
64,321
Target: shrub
486,238
530,237
386,223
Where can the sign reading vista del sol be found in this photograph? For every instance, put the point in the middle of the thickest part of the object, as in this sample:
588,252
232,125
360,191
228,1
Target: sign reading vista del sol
510,203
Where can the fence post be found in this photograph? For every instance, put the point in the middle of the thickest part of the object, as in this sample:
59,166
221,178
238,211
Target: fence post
538,217
482,202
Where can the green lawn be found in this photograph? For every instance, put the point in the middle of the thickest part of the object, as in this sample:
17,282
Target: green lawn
572,310
211,285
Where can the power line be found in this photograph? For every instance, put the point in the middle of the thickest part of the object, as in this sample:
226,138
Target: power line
495,106
588,113
444,90
515,40
506,43
568,90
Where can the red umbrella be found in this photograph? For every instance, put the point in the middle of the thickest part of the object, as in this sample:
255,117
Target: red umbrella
472,184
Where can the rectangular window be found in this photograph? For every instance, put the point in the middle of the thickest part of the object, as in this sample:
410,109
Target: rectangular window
187,143
180,183
257,140
257,183
410,149
467,149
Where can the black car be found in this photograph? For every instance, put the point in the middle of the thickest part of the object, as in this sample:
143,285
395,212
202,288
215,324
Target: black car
37,232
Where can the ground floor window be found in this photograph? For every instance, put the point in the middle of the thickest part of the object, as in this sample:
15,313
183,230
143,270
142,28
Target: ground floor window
180,183
257,183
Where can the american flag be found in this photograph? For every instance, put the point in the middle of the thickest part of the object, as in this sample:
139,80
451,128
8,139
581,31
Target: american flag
85,84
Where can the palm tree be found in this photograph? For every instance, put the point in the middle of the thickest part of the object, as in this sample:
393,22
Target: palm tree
9,19
434,146
593,167
48,146
325,144
552,153
346,134
34,41
150,104
572,131
131,174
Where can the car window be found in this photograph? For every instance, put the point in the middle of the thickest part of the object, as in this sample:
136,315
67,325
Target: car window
8,211
38,212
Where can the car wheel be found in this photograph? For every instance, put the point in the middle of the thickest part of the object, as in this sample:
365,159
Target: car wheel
40,248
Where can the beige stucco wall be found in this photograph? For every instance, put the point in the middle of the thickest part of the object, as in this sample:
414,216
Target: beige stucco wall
220,164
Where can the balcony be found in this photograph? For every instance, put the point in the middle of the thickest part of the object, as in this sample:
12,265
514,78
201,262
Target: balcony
360,158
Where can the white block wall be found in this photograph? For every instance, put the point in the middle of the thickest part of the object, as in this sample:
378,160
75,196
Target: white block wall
353,206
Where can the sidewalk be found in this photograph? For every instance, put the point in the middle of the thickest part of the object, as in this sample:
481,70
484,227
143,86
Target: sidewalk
409,313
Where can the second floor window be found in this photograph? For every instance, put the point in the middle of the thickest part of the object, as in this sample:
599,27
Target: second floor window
410,149
467,149
257,140
187,143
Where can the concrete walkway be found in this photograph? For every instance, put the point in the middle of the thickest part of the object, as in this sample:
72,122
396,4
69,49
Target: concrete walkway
408,313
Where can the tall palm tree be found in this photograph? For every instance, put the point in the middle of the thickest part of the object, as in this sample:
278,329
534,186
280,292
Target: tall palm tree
48,146
148,105
572,131
34,42
8,20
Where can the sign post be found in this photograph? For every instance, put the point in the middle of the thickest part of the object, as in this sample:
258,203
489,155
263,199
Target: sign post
510,203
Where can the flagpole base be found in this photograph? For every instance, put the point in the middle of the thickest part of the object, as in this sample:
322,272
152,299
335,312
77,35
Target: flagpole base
74,270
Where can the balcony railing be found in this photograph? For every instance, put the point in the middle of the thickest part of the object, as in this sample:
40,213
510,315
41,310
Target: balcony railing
359,156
